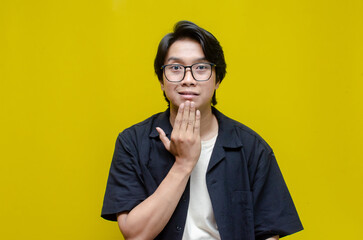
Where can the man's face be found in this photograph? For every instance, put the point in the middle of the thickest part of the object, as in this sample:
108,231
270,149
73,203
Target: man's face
187,52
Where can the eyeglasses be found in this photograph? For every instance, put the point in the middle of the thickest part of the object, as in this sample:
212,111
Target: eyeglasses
176,72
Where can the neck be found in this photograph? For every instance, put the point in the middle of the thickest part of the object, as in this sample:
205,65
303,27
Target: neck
208,123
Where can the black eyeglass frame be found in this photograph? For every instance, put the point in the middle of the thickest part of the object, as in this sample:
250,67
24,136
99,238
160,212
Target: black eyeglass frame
191,71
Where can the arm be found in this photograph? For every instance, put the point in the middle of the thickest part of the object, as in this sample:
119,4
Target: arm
274,238
274,210
149,218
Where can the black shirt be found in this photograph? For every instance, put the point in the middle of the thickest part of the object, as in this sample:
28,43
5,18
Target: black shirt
249,196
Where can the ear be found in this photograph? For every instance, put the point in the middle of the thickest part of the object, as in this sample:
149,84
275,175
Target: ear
161,85
217,85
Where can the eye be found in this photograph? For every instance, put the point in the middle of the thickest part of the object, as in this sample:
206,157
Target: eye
202,67
175,67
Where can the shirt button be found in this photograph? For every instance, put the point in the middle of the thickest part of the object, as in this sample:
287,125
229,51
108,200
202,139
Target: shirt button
178,228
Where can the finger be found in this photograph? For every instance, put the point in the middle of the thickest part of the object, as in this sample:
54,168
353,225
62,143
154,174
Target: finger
179,117
163,138
191,120
185,119
197,123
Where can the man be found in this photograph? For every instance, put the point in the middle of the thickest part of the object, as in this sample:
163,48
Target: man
191,172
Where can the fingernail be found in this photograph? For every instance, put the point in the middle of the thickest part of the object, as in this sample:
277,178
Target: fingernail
192,104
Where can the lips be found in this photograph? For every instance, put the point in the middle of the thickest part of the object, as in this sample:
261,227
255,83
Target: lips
188,93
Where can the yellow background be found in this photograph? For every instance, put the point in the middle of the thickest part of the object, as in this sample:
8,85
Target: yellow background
75,73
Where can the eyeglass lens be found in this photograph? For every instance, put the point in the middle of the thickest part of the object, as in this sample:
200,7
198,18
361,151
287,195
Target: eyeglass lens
176,72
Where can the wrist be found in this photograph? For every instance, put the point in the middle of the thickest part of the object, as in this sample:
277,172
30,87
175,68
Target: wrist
183,167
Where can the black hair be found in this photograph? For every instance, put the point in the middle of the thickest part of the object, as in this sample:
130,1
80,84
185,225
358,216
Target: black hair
212,49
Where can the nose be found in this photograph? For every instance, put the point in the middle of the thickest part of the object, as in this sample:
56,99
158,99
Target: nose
188,78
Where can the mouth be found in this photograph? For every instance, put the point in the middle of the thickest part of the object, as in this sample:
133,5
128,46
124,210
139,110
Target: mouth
188,93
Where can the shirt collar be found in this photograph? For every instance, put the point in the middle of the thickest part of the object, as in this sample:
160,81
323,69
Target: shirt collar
227,134
162,121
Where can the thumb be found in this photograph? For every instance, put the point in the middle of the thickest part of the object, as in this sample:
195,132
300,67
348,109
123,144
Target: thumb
163,138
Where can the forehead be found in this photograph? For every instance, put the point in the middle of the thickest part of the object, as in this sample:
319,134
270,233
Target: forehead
185,50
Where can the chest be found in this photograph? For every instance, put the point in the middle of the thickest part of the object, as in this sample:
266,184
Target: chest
227,168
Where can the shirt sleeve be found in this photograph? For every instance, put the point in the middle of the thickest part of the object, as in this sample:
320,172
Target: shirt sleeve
274,210
125,188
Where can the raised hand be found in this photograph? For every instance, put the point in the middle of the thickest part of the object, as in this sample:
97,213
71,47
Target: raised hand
184,143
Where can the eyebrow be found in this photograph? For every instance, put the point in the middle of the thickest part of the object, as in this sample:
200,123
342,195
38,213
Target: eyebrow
179,59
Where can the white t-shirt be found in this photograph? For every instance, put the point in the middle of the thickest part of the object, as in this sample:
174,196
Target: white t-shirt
200,223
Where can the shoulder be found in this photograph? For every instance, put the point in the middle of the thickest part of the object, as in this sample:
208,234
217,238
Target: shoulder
135,138
244,133
140,129
249,133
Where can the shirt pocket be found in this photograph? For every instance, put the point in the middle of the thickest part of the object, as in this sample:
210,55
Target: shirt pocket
243,221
